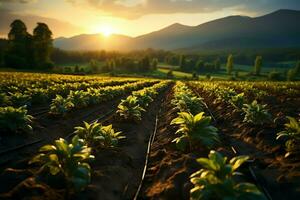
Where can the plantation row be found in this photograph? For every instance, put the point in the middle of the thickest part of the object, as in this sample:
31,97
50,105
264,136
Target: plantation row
69,162
29,93
254,113
216,178
44,80
271,127
16,119
237,119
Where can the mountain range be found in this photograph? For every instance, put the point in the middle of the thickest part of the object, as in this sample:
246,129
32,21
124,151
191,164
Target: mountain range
277,29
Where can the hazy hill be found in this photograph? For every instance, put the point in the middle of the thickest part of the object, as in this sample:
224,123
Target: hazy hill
277,29
93,42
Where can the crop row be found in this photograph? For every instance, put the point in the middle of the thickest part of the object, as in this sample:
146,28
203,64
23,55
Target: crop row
80,99
43,80
216,178
256,114
260,89
16,119
34,95
69,162
132,107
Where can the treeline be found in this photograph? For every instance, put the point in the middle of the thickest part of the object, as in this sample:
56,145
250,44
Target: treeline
144,64
23,50
62,57
246,56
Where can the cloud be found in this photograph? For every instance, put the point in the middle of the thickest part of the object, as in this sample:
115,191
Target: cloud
133,9
17,1
58,27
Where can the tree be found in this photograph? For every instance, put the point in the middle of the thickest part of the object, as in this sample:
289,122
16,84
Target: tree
291,75
19,52
209,67
170,74
297,68
200,65
229,65
258,65
42,39
94,66
76,69
154,63
145,64
182,62
217,64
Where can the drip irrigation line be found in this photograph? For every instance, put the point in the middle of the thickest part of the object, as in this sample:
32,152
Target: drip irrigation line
20,147
40,113
150,142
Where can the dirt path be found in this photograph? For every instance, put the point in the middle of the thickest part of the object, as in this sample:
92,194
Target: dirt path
118,172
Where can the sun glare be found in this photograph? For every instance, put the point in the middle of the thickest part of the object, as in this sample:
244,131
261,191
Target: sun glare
106,31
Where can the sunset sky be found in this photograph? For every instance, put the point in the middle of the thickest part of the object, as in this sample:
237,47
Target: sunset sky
128,17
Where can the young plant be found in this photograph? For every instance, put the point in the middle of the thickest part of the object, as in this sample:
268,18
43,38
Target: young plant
143,98
237,101
38,95
60,106
215,179
292,133
18,99
188,103
194,129
225,94
129,109
95,134
4,100
256,114
69,160
78,98
14,119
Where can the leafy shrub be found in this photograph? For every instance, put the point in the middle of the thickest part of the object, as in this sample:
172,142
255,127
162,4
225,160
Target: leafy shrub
215,180
60,105
130,109
70,160
292,133
97,135
256,114
194,129
14,119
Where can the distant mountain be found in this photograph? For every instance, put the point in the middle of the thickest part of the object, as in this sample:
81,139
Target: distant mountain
93,42
277,29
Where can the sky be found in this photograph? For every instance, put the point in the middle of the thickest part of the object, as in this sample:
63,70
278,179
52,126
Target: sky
128,17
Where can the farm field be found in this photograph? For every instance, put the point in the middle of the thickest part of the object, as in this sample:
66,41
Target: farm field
93,137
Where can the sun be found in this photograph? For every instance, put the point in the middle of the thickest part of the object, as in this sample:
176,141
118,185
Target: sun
106,31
